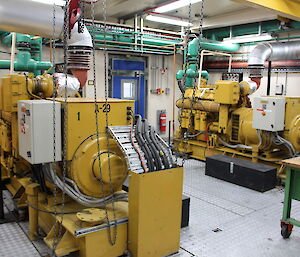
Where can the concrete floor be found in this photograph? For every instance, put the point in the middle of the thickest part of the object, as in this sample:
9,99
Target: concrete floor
226,221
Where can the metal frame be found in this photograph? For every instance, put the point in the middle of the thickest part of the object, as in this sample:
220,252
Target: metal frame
206,53
144,59
291,192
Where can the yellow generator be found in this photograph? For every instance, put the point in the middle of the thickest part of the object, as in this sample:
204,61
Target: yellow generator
69,171
219,119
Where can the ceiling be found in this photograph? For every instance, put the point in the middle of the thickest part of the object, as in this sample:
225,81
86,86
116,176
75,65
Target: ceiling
123,11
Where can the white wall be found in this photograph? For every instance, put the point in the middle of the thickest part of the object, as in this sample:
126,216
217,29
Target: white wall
163,101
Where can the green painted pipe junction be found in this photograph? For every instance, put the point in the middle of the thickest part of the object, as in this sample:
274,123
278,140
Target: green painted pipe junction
190,72
29,55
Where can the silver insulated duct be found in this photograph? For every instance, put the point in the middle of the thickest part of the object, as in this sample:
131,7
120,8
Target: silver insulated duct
277,51
41,19
31,17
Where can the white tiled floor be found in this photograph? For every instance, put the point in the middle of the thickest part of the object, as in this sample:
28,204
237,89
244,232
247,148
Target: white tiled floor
248,222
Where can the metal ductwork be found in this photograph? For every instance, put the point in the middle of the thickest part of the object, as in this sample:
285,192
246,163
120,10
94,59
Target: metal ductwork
40,19
277,51
31,17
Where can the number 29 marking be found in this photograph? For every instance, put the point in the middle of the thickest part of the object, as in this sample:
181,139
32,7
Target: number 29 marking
106,108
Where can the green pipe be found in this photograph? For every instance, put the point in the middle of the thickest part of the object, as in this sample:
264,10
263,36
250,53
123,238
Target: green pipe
190,76
29,56
36,49
210,45
6,40
124,39
30,66
139,34
149,50
3,33
24,62
190,72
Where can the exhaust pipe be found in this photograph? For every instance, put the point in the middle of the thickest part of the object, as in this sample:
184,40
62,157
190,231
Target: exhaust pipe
34,18
277,51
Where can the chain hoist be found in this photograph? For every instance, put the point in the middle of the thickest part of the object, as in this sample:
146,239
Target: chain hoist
112,239
58,234
195,86
54,128
186,42
66,35
184,140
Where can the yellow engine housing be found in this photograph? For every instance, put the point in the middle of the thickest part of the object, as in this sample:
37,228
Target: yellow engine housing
222,111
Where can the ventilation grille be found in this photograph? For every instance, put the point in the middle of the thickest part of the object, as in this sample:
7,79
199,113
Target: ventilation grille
235,127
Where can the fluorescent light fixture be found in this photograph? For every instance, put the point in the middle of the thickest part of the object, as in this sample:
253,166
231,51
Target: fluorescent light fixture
248,38
174,5
51,2
160,19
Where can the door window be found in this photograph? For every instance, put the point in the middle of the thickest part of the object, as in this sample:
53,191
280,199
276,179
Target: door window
128,88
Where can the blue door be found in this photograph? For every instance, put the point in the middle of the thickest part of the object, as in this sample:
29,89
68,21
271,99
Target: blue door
131,84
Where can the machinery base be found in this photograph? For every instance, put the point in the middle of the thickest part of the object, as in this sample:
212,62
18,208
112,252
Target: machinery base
200,150
90,239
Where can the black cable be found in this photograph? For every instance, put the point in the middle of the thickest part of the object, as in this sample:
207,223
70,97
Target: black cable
141,142
160,149
132,136
152,148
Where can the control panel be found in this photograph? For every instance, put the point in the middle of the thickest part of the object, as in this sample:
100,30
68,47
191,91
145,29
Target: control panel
269,113
36,131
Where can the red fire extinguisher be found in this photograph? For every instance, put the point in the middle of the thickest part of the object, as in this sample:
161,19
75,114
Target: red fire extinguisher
162,122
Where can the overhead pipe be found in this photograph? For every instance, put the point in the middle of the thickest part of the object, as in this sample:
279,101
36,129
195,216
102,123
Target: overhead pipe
190,72
276,51
31,17
34,18
211,45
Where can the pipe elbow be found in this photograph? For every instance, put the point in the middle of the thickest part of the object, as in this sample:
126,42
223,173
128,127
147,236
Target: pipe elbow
248,87
259,55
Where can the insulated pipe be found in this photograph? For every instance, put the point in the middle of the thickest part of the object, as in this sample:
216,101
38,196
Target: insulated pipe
277,51
34,18
31,17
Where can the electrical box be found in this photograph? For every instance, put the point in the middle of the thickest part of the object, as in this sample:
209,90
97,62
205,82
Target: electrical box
36,131
269,113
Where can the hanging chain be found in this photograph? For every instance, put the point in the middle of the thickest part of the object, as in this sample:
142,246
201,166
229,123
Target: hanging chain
195,86
107,124
58,235
54,128
66,34
193,100
186,44
112,240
